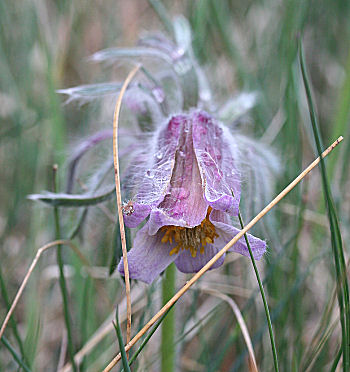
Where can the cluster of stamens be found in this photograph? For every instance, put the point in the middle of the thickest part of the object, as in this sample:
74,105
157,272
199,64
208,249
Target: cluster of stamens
191,239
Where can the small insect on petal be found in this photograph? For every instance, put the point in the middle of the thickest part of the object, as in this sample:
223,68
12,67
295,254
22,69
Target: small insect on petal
186,193
128,208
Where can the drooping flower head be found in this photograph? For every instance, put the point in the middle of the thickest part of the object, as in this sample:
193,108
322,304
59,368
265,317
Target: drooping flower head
188,193
184,179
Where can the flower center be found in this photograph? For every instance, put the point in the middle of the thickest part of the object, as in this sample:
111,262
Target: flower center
190,238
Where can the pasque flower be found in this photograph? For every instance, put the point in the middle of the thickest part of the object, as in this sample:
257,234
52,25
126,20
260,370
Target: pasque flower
189,189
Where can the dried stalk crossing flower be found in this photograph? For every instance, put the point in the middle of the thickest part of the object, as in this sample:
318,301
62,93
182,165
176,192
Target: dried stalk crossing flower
188,193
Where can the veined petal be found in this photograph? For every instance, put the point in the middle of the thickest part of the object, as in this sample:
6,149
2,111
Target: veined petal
188,264
149,256
184,200
219,174
227,232
158,170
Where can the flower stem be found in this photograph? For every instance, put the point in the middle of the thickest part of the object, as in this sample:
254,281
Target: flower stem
266,306
62,279
168,324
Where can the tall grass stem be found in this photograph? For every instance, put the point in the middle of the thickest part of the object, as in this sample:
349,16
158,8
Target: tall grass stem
62,279
336,239
211,262
13,352
168,325
12,320
266,306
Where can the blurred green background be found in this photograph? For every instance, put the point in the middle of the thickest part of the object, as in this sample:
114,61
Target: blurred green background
242,46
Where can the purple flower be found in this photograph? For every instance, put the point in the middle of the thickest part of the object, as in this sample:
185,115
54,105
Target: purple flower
189,189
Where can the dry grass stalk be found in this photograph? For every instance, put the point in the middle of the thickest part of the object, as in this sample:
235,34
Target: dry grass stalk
30,270
207,266
308,215
63,350
119,198
321,336
227,289
138,295
322,342
252,361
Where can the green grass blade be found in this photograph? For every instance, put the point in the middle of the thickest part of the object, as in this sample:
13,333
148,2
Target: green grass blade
84,317
341,119
121,342
83,214
282,305
337,246
168,327
266,306
222,19
116,250
69,200
147,338
16,357
63,284
31,340
162,14
336,361
13,323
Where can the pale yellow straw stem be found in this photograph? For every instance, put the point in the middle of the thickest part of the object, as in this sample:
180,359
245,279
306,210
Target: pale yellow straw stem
208,265
29,272
119,198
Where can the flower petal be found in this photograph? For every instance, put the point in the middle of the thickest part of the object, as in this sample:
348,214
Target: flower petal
159,218
148,257
138,213
227,232
157,171
184,200
188,264
214,147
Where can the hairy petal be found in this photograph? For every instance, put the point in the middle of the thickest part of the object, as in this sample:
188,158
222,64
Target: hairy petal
227,232
216,162
159,218
159,41
156,174
184,200
148,258
188,264
138,214
80,150
260,167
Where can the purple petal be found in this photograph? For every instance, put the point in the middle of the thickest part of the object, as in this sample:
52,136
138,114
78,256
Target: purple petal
227,232
188,264
184,200
158,171
159,218
148,257
216,162
136,214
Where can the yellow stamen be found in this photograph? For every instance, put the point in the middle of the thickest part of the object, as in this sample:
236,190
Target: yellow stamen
174,251
192,239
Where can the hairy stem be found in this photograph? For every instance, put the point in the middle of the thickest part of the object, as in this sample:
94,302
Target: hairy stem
62,279
168,324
